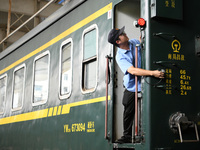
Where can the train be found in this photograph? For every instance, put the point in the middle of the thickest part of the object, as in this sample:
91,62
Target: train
61,89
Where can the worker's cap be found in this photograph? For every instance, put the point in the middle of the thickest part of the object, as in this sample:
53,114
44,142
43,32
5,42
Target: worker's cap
114,35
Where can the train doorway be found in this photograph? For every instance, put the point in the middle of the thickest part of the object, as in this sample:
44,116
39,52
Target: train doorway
126,13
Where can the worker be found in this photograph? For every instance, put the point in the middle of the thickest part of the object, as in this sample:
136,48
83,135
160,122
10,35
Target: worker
125,58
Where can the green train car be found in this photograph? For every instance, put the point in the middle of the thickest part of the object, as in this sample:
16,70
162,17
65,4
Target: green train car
61,89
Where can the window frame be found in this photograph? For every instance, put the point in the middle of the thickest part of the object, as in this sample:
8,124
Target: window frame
68,41
87,30
16,69
33,81
4,103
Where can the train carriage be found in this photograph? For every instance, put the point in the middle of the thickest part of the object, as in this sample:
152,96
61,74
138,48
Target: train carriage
60,87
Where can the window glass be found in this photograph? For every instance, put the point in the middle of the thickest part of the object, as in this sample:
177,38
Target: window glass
66,70
2,93
90,44
18,88
41,77
89,75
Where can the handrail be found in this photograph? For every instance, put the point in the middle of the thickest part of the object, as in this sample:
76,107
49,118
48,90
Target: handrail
136,91
39,11
162,34
106,106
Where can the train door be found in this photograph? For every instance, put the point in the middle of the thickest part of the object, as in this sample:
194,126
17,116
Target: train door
126,13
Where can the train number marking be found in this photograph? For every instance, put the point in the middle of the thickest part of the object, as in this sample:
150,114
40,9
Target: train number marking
80,127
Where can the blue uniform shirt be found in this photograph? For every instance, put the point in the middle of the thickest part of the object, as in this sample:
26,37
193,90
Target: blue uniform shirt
126,59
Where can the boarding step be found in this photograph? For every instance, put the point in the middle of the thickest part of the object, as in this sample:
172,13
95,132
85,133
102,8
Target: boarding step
125,146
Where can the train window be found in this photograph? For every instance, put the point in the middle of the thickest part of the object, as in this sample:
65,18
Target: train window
3,82
65,69
89,63
18,87
41,79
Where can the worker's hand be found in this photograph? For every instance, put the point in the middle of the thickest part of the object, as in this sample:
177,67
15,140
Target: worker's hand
158,74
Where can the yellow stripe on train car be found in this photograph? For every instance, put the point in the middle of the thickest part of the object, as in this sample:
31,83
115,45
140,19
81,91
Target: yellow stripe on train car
49,112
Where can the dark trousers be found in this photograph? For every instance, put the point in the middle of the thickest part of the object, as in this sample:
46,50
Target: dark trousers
129,112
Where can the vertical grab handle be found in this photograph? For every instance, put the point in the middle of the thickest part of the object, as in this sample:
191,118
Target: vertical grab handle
136,91
106,106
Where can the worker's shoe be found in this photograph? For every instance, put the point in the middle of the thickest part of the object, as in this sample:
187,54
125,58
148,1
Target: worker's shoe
124,139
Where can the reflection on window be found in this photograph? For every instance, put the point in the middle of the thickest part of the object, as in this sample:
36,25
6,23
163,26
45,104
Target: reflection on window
66,69
2,93
41,77
89,76
18,88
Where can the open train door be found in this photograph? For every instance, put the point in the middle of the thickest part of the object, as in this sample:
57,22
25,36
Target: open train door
126,13
171,107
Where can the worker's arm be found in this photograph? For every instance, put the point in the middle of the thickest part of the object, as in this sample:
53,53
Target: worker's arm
142,72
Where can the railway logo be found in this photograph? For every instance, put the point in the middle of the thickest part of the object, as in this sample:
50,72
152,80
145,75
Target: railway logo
176,46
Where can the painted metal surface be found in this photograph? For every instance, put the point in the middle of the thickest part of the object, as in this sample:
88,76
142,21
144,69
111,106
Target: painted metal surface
78,122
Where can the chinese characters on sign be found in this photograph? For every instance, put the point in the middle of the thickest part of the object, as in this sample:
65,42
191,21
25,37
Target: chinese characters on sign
91,127
168,75
176,46
171,9
170,3
184,78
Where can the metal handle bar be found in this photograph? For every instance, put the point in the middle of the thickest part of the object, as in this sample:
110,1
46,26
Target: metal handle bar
106,106
181,137
162,34
136,91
